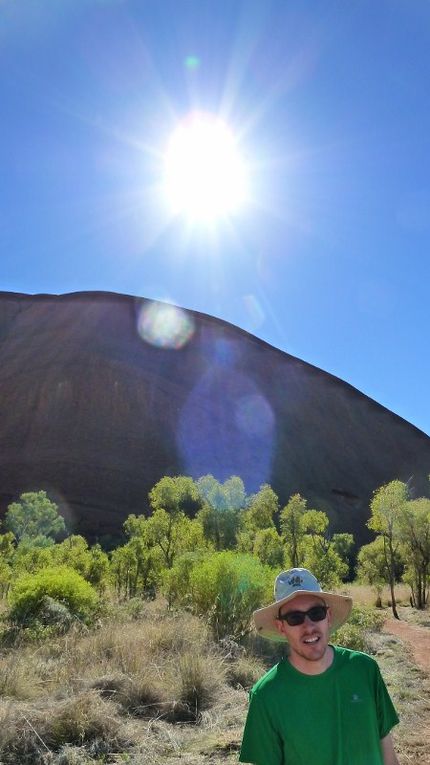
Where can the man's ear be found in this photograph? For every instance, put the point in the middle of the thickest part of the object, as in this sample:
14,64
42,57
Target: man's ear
279,626
329,616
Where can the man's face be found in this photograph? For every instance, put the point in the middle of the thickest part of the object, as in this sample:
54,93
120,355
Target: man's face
308,641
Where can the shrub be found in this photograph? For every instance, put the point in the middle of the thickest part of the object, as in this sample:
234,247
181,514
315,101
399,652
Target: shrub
355,634
177,580
33,597
353,637
367,618
226,588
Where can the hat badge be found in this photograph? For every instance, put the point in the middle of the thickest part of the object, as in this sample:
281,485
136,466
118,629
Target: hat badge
295,581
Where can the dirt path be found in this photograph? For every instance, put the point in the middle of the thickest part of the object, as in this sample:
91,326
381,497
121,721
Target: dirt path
418,639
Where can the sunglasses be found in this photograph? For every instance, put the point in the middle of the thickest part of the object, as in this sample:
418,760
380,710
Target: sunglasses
294,618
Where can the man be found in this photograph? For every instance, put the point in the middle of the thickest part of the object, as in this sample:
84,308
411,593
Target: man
323,704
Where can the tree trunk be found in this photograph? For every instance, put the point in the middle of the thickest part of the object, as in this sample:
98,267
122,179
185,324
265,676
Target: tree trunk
391,571
393,600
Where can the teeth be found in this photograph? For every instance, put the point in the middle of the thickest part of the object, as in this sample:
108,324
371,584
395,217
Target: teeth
311,640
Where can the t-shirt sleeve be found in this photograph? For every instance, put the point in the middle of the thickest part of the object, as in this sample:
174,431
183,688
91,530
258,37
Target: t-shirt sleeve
387,715
261,744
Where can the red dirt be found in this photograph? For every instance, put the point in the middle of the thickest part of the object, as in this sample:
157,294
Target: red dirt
414,748
417,638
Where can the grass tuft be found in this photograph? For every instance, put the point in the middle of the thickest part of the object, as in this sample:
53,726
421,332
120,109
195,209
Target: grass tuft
199,684
245,671
30,735
18,680
138,696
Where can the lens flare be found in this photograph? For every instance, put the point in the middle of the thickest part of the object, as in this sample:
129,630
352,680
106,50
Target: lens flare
233,428
254,415
165,325
192,62
254,310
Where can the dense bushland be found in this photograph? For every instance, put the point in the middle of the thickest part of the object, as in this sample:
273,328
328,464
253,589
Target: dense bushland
206,546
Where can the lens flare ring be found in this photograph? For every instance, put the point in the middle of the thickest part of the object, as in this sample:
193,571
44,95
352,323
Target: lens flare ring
164,325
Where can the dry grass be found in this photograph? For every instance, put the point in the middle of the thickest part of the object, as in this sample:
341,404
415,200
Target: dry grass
132,687
19,678
244,671
364,594
31,733
151,687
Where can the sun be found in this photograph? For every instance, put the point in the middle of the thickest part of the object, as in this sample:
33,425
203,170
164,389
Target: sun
205,177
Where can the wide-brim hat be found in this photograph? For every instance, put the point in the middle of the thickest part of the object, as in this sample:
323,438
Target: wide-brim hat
289,585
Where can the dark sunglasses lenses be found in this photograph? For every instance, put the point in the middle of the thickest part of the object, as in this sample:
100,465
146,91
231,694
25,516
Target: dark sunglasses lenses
294,618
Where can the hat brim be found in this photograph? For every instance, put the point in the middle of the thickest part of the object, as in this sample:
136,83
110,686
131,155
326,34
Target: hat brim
265,618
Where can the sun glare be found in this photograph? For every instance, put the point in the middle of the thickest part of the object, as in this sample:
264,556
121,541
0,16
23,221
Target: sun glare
205,176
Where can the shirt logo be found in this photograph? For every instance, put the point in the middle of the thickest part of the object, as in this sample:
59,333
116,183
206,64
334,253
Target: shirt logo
355,698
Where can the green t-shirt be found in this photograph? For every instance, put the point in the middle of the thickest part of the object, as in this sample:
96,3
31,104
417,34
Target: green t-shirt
335,718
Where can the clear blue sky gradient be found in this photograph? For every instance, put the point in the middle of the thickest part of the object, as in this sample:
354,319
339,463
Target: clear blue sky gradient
329,261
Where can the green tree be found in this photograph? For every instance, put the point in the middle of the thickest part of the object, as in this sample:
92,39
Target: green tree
372,566
174,534
319,553
228,495
91,562
31,555
168,529
72,552
7,550
258,515
175,495
343,544
135,568
292,528
135,526
34,515
268,547
315,523
414,526
262,508
320,557
98,570
7,546
5,577
308,544
386,509
220,514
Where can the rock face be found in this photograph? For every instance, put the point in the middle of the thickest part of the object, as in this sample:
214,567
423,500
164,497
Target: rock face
102,394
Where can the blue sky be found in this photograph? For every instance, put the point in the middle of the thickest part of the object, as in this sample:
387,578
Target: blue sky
329,261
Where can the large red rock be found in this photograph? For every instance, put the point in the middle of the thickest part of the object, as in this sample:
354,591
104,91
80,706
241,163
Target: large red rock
102,394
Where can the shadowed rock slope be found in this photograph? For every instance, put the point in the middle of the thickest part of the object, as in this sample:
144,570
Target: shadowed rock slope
102,394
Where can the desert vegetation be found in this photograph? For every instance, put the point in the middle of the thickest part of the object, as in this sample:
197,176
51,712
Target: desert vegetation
145,654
